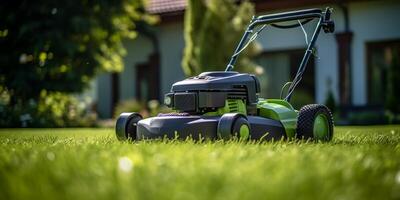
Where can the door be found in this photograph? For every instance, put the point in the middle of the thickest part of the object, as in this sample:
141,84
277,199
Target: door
147,79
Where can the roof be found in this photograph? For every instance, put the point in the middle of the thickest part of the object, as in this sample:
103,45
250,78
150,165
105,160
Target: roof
172,10
166,6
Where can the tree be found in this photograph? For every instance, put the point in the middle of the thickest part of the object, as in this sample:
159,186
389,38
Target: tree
58,46
212,31
61,45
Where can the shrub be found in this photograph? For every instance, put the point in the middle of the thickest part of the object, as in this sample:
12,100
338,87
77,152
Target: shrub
52,109
393,118
216,22
131,105
155,107
62,45
152,108
367,118
330,101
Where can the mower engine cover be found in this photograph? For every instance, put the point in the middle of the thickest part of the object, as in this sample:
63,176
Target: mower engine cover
209,91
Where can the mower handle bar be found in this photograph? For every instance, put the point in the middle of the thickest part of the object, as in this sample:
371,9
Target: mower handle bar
324,22
287,16
276,18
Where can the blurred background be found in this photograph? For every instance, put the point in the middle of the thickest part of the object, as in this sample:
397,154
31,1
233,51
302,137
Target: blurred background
81,62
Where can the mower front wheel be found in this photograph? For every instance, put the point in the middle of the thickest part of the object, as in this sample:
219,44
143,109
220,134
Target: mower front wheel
233,124
125,127
315,122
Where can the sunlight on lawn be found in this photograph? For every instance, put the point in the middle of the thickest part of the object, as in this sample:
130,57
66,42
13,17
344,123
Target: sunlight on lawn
360,163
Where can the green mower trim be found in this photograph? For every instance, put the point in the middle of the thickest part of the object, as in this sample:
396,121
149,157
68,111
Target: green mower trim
244,131
231,106
281,110
321,127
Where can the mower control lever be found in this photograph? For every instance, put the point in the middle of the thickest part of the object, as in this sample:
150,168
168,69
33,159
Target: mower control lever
328,25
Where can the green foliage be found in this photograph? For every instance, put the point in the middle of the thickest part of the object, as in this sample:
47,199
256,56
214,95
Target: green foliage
53,109
212,31
330,101
392,118
368,117
301,98
132,105
154,108
58,46
360,163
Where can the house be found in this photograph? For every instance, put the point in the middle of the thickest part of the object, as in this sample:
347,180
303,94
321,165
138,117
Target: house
351,63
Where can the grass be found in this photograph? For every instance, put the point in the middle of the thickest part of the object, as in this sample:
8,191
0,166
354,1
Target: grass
360,163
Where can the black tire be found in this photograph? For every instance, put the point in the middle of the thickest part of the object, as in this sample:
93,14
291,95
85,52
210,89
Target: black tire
229,125
125,127
306,119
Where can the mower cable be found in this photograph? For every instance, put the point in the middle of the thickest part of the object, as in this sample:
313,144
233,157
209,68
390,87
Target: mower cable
304,31
299,75
252,38
297,79
283,88
294,84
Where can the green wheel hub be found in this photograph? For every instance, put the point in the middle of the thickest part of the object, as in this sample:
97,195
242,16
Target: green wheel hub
321,127
244,131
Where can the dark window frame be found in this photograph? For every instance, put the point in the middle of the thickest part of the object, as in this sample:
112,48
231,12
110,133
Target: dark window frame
369,45
115,91
149,71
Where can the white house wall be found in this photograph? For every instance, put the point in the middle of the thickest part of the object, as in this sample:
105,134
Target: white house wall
371,21
171,47
138,51
171,44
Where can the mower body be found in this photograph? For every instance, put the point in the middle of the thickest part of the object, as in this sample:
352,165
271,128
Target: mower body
225,104
201,101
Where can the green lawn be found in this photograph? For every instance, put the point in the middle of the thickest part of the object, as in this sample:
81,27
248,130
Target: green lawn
360,163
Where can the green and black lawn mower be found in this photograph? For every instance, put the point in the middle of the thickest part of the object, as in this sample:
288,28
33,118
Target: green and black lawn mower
225,104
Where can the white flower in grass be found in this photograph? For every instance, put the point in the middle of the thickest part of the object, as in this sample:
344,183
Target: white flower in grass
125,164
397,177
51,156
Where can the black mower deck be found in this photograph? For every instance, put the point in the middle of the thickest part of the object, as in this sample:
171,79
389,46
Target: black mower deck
198,127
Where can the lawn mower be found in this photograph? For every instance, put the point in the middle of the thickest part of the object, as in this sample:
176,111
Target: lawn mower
225,104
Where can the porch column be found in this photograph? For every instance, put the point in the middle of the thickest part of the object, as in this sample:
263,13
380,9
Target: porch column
344,40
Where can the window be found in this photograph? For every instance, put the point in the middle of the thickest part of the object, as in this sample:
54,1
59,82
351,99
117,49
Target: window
382,60
147,79
280,67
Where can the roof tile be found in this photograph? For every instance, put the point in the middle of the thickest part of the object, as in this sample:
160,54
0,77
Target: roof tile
165,6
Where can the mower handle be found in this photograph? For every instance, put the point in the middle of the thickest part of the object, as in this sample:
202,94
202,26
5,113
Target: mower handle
287,16
324,21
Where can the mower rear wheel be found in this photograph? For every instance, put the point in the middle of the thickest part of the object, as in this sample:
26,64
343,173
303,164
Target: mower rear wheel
125,127
233,124
315,122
